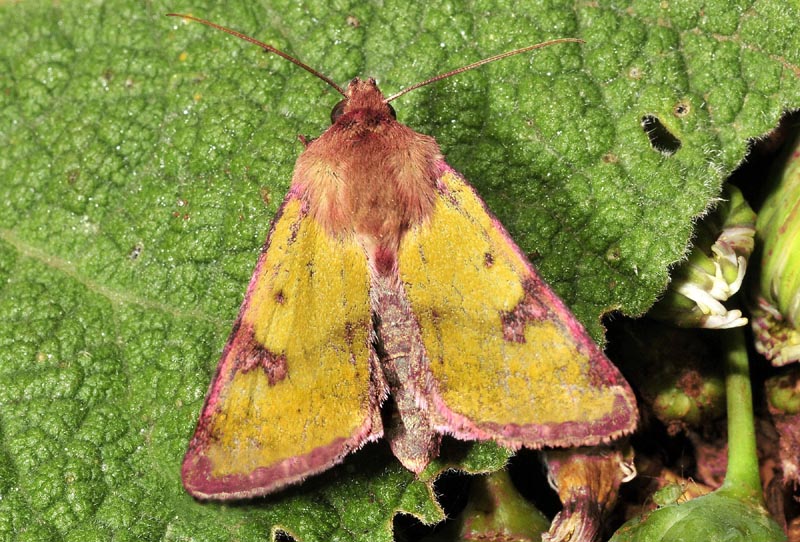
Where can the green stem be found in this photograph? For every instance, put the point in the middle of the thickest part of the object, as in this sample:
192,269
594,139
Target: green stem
742,477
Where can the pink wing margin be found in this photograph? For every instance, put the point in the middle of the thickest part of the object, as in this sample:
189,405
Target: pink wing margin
242,353
539,303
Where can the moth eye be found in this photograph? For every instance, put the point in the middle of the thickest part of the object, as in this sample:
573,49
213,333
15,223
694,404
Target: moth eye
391,111
337,111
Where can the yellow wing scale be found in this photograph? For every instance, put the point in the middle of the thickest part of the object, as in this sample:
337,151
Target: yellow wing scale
462,273
307,307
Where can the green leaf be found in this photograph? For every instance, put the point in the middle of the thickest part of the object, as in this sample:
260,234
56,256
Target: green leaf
717,517
138,153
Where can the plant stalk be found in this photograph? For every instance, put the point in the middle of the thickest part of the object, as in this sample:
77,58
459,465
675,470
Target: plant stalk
742,477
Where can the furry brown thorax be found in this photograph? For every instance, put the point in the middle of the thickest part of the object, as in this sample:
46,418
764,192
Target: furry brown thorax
368,175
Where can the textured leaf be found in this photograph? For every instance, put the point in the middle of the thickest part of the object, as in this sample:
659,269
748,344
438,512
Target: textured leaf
143,159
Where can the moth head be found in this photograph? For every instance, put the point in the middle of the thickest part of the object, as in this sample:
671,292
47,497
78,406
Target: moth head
362,94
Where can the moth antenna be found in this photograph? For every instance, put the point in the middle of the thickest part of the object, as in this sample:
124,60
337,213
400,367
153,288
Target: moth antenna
264,46
481,63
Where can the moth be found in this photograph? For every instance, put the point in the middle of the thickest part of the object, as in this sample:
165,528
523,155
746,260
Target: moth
389,302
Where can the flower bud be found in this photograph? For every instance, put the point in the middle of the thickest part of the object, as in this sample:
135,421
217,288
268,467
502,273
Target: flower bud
714,270
776,311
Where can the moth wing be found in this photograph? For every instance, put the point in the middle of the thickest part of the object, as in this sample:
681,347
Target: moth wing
292,394
508,360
